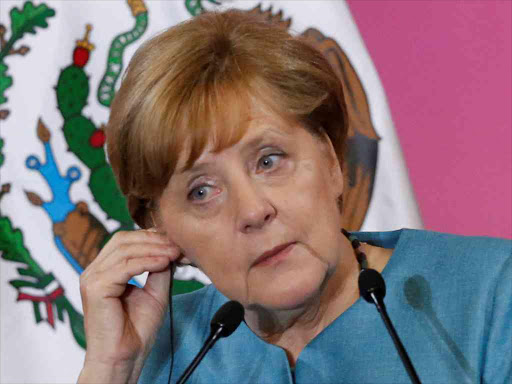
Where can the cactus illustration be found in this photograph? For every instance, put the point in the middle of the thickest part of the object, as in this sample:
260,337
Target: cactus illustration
77,233
84,139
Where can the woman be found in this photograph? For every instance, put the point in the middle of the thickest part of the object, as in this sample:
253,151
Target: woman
227,138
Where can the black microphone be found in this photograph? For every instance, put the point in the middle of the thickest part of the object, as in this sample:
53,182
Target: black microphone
373,289
223,324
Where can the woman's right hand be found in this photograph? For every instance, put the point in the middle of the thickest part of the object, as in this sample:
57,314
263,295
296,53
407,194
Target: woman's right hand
121,320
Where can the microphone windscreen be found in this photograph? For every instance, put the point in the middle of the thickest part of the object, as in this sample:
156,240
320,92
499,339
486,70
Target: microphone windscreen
370,281
228,317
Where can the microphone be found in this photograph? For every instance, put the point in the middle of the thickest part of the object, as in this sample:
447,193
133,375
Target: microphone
373,289
225,321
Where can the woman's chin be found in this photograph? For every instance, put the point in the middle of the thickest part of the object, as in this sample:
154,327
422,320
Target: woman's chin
291,294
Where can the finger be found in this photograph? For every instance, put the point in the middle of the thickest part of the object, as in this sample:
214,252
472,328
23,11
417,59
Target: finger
130,237
158,284
96,286
109,277
114,283
128,251
136,266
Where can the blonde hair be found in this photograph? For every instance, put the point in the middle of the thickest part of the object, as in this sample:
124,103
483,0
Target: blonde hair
191,85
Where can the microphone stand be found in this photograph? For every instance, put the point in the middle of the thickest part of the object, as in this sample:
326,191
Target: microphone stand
379,303
206,347
225,321
373,289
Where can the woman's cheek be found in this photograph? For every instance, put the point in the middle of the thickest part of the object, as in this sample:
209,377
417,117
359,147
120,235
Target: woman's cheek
306,182
202,241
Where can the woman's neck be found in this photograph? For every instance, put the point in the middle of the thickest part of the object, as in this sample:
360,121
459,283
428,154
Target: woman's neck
292,330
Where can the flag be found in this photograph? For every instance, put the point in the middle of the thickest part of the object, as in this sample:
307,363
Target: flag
60,65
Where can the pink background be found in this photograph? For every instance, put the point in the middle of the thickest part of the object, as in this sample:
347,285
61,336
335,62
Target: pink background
447,70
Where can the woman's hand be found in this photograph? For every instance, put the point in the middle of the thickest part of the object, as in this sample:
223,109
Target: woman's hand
121,320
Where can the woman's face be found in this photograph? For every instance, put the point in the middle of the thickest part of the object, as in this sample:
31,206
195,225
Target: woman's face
260,218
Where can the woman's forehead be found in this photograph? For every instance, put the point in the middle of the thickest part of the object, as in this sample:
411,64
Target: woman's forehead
254,130
225,126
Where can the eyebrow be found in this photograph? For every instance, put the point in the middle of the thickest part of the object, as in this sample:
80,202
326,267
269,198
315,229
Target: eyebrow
253,142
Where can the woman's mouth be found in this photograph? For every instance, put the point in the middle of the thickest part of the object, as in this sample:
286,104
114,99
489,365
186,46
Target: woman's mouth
274,255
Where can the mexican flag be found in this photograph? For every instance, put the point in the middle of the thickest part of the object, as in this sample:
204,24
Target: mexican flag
60,65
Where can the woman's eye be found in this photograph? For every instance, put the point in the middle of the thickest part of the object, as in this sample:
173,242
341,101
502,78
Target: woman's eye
199,193
268,161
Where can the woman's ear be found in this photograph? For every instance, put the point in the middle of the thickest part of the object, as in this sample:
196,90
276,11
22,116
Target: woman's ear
334,165
182,260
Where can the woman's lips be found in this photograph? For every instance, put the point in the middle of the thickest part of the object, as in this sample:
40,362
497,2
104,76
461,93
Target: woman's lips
273,255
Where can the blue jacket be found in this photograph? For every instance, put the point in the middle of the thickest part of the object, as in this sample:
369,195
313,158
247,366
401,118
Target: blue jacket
449,298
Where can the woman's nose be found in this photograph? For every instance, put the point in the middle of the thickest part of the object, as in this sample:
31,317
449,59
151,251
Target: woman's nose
255,210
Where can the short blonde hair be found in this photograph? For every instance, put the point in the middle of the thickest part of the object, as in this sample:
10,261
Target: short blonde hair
182,83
